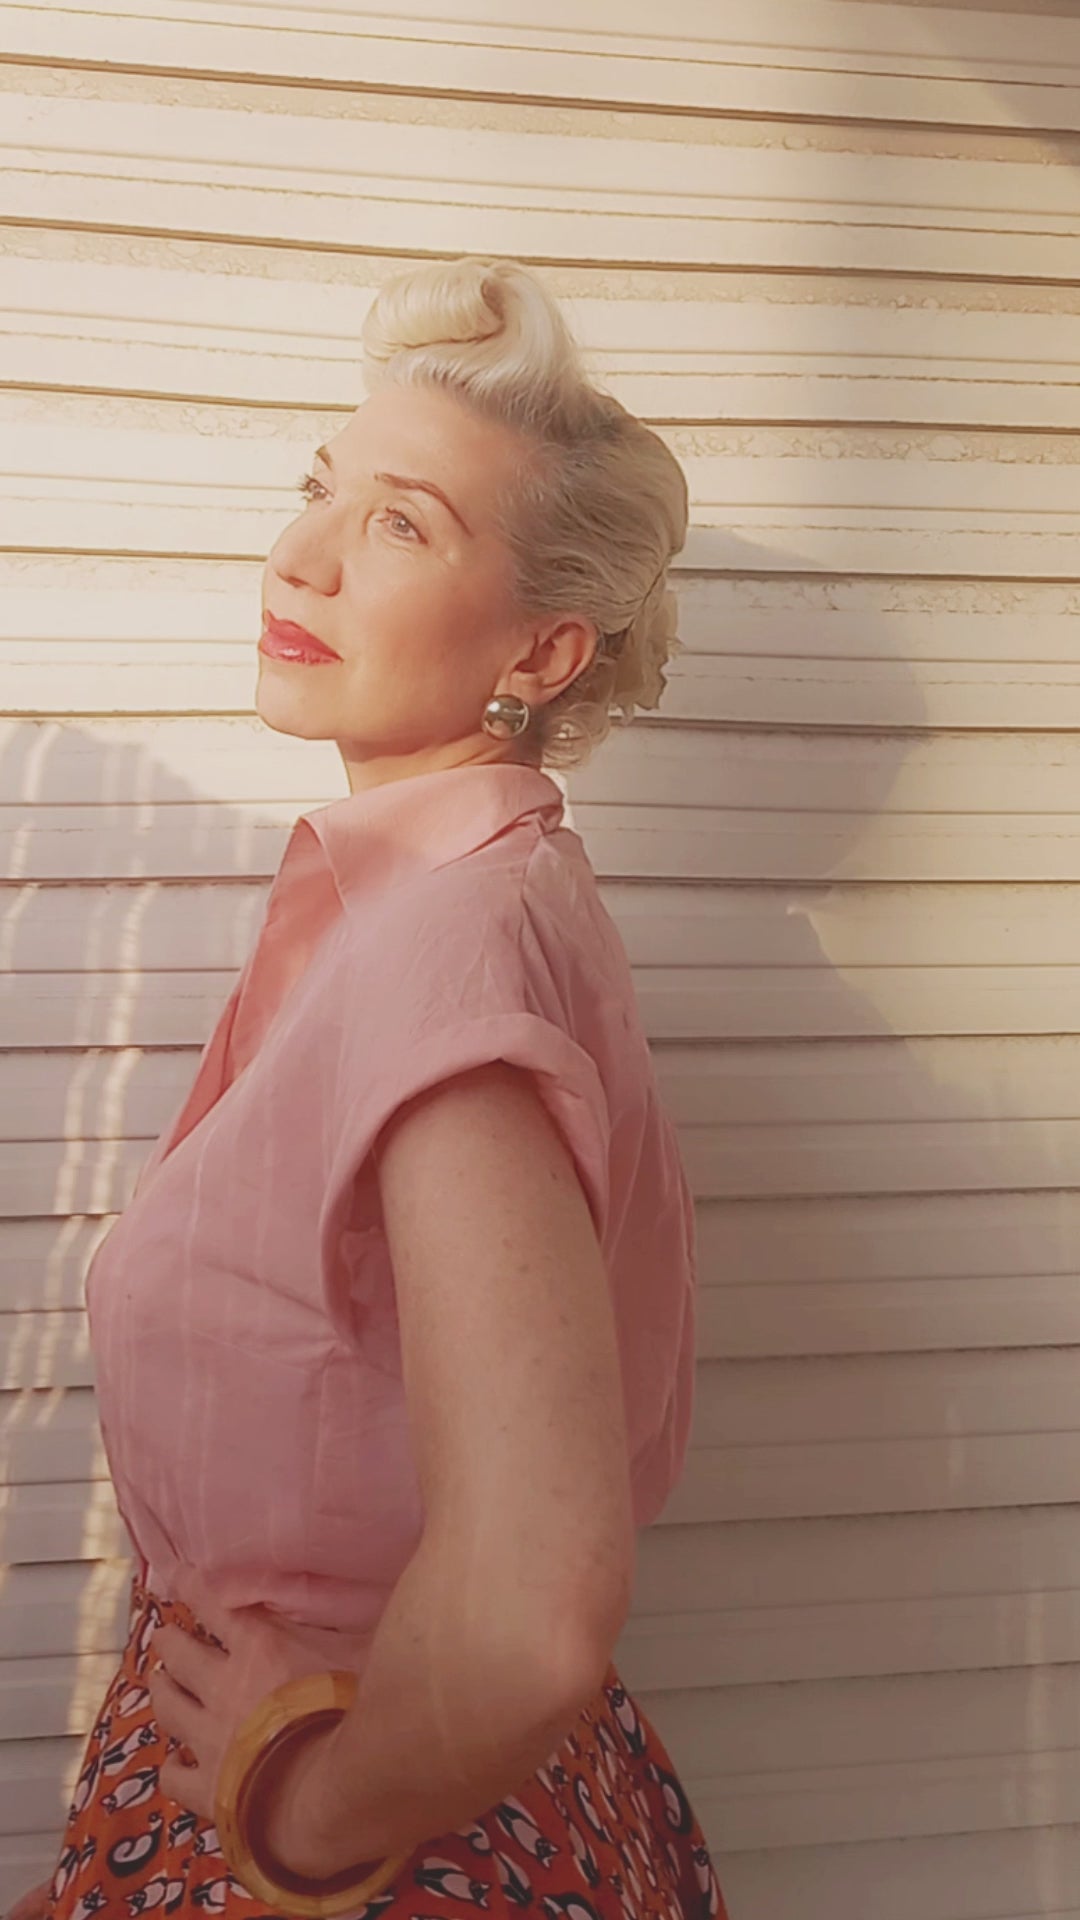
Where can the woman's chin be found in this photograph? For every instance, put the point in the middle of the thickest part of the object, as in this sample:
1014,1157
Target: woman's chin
285,709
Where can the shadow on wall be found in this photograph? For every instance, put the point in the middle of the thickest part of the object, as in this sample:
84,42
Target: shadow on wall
111,982
114,979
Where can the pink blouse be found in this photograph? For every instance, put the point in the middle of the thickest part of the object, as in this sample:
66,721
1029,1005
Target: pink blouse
242,1310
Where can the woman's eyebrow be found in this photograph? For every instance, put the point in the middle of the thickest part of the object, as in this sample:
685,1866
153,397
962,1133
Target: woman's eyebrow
407,486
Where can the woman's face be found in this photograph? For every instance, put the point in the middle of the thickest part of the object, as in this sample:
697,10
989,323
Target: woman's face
412,588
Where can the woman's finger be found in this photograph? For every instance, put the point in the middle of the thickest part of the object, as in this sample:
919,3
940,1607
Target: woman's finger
190,1662
189,1587
186,1785
175,1711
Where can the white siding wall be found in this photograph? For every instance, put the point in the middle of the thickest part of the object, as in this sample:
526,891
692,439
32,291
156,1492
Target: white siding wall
829,247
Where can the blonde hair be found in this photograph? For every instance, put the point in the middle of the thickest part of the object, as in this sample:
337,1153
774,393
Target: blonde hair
595,516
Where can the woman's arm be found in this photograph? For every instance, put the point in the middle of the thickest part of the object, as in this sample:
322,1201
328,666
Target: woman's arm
502,1625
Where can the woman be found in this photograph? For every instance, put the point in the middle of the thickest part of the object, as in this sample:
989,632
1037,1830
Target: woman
395,1340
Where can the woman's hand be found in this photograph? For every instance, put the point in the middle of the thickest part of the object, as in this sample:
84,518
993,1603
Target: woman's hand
201,1694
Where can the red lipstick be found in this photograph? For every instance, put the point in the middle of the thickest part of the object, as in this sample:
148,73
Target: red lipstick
284,640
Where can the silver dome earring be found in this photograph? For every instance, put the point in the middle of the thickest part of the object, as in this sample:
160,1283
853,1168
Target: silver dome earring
506,716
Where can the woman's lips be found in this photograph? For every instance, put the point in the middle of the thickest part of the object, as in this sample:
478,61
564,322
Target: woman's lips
283,640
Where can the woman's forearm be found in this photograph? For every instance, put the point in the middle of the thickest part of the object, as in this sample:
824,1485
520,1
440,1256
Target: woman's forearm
466,1691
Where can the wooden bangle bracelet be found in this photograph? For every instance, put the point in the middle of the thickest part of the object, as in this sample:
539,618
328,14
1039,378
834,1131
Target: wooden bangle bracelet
312,1702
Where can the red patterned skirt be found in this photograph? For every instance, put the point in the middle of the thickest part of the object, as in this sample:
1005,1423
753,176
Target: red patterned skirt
602,1831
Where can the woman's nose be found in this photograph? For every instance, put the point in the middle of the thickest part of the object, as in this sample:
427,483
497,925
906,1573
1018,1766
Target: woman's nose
307,551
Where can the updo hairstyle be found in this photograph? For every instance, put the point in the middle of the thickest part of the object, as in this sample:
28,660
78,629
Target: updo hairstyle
597,512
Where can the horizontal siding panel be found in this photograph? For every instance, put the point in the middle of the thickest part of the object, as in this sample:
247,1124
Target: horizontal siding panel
937,1474
916,1315
776,1621
886,695
156,925
795,1600
49,1177
764,497
236,762
877,1722
127,1092
801,1635
779,652
41,1696
738,1318
321,170
941,1156
836,1762
52,1440
41,1699
79,1607
37,1778
891,1237
158,598
183,840
892,1272
51,598
758,1298
111,1009
945,1156
724,841
176,333
53,1444
708,1648
900,1272
843,926
133,1008
66,1448
1021,1553
715,843
46,1523
885,1802
879,1082
979,1876
519,51
92,1094
785,1479
43,1262
50,1348
824,59
142,923
759,1318
876,1397
888,621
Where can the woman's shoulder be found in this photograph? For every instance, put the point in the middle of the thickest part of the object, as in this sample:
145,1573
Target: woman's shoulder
488,893
511,926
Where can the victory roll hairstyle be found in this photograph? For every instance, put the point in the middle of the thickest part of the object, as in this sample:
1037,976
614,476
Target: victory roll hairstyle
599,509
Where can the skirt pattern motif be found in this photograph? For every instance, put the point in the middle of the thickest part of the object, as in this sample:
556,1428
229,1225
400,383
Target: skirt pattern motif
602,1831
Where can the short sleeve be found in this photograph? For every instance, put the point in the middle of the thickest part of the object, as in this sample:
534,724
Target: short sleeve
564,1074
451,976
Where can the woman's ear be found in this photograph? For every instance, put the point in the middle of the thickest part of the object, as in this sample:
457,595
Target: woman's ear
561,649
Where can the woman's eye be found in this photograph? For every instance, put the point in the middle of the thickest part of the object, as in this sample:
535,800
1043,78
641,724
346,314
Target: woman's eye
403,520
311,488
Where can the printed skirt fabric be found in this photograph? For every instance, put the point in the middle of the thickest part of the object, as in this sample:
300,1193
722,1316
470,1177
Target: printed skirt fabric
602,1831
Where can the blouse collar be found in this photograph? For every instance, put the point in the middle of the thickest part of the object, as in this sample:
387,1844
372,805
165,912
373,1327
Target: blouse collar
429,820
